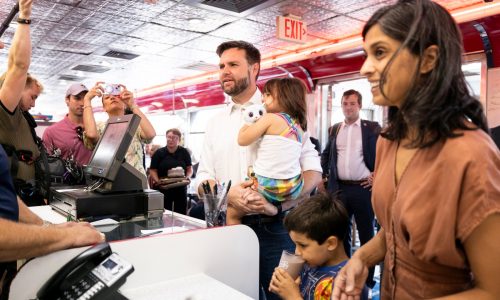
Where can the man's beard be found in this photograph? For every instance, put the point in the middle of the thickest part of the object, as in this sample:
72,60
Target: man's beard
239,86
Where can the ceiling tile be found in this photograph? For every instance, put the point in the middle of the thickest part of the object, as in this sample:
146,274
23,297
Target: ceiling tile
78,16
365,13
335,28
5,7
193,18
104,61
344,6
40,29
49,11
67,45
162,34
138,46
105,22
132,9
246,30
191,54
206,42
309,13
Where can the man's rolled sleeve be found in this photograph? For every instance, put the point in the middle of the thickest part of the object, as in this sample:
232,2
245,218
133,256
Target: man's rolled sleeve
206,169
309,159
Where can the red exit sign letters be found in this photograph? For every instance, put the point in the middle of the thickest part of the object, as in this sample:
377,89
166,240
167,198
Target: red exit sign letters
291,29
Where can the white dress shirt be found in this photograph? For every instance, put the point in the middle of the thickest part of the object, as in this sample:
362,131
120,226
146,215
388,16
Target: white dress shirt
350,162
278,157
223,159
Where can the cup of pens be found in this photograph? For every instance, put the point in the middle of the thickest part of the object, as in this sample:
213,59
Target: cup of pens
215,204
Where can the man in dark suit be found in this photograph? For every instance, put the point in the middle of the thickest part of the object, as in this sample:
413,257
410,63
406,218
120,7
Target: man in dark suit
495,135
348,162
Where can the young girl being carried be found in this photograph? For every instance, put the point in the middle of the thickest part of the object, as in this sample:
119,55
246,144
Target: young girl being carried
277,168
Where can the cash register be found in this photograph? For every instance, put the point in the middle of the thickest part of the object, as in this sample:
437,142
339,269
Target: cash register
118,190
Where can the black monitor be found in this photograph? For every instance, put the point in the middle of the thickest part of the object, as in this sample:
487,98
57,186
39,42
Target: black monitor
109,153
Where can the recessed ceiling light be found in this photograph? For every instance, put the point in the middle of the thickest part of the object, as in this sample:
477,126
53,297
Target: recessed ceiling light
194,20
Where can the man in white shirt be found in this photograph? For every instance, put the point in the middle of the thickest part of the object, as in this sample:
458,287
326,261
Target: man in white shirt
223,159
348,162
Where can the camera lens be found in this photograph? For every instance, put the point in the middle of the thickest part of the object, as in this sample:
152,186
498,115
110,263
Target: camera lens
108,89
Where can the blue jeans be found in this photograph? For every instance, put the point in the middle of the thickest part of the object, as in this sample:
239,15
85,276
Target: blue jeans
273,239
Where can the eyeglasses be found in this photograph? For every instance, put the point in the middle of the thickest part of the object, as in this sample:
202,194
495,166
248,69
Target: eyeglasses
79,132
172,137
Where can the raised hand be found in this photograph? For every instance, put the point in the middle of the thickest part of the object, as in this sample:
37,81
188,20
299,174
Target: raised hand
25,9
96,91
127,97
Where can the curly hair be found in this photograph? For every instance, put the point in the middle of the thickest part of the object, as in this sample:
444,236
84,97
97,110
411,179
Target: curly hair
439,102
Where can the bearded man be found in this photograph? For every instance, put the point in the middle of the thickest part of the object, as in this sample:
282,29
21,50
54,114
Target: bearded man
223,160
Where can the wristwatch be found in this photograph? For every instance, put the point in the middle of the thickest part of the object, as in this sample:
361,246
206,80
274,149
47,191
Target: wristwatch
23,21
278,206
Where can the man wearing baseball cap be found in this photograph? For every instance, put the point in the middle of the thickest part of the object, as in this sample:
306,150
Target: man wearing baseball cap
66,136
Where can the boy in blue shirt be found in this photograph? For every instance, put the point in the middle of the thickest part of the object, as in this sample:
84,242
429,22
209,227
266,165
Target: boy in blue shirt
317,227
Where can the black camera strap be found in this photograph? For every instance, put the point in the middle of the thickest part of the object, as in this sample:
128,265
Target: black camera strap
43,153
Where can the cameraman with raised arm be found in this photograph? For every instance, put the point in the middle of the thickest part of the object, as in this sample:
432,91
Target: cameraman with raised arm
22,233
115,100
19,91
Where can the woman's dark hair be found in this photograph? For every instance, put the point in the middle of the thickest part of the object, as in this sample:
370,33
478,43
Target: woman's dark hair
319,217
252,54
439,102
291,96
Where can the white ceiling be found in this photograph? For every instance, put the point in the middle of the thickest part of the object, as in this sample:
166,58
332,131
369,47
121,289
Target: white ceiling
172,38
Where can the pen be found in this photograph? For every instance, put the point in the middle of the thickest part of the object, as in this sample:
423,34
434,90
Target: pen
151,233
209,190
228,186
204,186
223,199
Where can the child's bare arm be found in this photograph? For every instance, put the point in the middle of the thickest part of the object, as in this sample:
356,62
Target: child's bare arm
250,133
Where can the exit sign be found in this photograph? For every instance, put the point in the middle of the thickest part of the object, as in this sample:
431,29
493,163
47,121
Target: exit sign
291,29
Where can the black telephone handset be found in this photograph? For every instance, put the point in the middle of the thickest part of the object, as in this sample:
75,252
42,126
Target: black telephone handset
94,274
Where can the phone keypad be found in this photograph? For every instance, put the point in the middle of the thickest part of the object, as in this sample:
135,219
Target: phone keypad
84,289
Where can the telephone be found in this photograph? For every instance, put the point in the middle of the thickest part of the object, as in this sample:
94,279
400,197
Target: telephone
95,273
